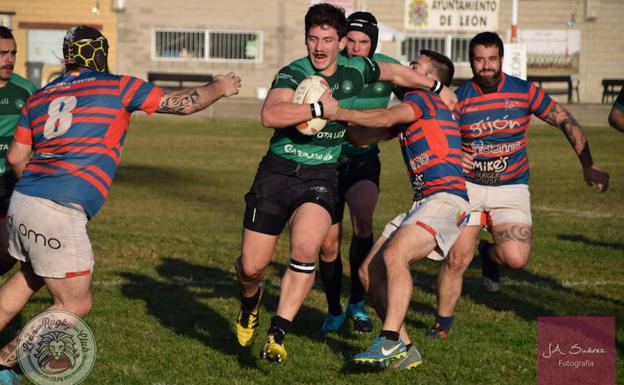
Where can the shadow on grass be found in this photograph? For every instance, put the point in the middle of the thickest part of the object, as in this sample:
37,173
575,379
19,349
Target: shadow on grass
178,299
590,242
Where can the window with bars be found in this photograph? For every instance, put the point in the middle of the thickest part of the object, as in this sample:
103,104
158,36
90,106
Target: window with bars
455,47
208,45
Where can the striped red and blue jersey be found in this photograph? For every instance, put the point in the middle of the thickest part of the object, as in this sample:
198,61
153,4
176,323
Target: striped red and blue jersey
494,127
431,147
77,125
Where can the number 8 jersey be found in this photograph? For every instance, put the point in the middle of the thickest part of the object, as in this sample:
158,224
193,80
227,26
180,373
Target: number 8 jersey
77,125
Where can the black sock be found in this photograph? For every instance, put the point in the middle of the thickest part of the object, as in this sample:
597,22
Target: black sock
331,275
279,327
357,254
409,346
390,335
249,303
445,322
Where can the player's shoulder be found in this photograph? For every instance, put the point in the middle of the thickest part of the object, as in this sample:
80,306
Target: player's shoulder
385,58
23,83
359,63
516,83
415,95
301,65
466,90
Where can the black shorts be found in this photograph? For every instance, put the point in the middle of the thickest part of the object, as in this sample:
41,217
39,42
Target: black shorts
280,186
7,184
353,169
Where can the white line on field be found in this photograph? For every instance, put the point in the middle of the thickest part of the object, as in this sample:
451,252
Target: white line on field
579,213
190,281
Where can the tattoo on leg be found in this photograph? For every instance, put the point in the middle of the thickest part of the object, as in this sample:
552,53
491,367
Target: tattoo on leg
8,354
521,233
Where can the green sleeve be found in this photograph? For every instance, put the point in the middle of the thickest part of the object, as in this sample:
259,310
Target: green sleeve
22,82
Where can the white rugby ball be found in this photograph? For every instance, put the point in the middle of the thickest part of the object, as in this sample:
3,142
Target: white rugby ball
310,91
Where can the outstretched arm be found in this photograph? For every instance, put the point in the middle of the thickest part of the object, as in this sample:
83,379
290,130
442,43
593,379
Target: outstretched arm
363,136
190,100
560,117
403,76
376,117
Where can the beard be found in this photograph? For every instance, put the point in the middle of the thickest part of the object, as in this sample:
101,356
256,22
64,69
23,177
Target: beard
489,81
5,73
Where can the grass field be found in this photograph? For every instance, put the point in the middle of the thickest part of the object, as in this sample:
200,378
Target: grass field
165,296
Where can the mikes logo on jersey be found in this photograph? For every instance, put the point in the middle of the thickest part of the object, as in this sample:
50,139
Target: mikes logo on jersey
494,165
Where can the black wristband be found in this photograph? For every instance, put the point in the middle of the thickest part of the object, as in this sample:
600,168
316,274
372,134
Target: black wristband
436,87
322,109
317,109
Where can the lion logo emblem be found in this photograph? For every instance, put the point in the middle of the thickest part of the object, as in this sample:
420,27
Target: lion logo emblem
56,347
56,353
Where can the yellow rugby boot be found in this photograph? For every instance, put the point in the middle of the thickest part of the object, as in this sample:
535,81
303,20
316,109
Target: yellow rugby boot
247,323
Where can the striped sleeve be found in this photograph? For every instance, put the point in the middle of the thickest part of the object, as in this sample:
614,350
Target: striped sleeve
138,94
540,104
417,104
23,131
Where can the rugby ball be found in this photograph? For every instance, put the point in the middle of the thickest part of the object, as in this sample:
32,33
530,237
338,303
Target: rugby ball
310,91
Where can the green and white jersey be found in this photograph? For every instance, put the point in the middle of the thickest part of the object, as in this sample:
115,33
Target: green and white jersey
13,97
373,95
346,83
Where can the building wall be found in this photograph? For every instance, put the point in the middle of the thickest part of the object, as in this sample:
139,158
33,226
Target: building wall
281,21
602,51
61,14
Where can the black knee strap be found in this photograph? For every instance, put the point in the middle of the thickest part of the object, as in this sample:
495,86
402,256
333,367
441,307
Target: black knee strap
302,267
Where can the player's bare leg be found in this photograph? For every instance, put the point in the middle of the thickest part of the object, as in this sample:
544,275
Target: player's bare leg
513,245
373,276
451,278
69,294
511,249
256,252
16,291
308,226
362,199
411,243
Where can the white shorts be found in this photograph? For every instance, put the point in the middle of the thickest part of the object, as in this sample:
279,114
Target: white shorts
52,237
443,215
495,205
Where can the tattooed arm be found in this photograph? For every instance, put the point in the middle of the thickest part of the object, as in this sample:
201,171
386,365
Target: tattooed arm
560,117
190,100
616,119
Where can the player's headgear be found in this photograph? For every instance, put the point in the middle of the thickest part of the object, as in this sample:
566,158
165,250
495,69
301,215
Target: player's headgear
367,23
84,46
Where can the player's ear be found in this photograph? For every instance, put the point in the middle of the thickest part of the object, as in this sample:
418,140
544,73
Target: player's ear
342,43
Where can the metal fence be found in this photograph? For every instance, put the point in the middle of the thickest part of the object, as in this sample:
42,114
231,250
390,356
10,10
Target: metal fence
453,46
207,45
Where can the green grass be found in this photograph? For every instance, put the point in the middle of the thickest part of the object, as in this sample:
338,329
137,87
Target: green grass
165,296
